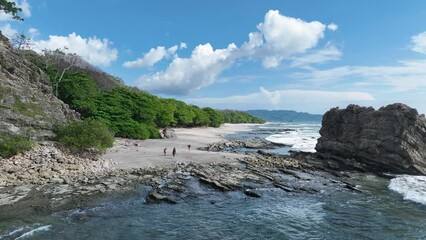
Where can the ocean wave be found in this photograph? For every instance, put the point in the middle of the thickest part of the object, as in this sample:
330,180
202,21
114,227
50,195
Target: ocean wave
9,234
298,140
412,188
30,233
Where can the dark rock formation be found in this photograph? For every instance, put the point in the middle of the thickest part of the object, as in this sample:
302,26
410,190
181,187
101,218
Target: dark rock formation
27,105
391,139
167,133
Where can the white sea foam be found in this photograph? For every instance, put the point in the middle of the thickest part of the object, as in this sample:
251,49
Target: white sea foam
411,187
12,233
303,138
30,233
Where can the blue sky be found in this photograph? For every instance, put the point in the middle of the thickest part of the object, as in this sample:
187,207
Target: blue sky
305,55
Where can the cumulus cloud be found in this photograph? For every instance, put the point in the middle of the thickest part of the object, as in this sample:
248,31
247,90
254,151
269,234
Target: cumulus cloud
94,50
278,38
419,43
23,4
8,30
283,37
150,58
185,74
300,100
182,45
332,27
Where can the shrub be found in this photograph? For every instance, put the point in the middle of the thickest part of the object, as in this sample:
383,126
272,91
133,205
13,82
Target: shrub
12,145
90,133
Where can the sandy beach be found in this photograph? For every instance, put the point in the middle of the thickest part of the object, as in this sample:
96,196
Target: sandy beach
128,153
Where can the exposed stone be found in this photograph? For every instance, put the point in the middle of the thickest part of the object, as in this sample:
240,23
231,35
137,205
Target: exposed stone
391,139
167,133
27,104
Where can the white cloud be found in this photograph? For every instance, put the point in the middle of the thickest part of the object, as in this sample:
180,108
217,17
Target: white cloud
23,4
8,31
182,45
419,43
33,32
329,53
185,74
299,100
283,37
407,75
94,50
332,27
150,58
278,38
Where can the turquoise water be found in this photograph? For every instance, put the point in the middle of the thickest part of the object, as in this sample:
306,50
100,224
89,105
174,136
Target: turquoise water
378,213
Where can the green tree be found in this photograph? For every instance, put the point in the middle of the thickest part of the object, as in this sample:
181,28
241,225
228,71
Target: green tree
90,133
11,8
216,118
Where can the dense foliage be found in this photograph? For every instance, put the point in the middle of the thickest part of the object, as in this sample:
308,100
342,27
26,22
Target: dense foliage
128,112
231,116
12,145
89,133
9,7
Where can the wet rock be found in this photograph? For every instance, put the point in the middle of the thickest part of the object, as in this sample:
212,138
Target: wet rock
155,197
252,193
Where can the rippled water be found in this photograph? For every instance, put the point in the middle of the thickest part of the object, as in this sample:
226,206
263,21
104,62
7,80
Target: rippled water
375,214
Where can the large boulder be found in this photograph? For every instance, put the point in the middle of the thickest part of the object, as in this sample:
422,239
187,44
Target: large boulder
391,139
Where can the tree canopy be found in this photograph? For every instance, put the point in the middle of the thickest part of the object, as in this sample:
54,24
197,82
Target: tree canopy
128,112
10,8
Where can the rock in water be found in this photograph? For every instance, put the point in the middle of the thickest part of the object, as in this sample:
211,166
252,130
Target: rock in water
391,139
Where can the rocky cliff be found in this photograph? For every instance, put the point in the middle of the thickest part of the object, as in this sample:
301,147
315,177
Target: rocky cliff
27,105
391,139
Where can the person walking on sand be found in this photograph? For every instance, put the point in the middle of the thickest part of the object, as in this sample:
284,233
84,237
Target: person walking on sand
189,147
165,151
174,152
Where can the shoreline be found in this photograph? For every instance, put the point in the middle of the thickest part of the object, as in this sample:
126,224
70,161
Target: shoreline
129,153
51,179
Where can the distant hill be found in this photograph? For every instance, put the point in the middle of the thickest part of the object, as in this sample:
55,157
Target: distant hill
285,116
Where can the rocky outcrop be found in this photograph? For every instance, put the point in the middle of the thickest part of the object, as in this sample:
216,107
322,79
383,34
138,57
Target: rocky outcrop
47,163
167,133
27,105
391,139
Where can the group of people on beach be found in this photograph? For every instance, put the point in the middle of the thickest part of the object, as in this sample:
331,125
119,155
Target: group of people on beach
174,150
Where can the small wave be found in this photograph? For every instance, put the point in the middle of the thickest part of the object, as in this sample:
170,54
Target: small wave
12,233
30,233
411,187
297,140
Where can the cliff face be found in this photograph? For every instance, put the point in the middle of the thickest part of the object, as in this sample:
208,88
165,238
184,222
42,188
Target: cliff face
27,105
391,139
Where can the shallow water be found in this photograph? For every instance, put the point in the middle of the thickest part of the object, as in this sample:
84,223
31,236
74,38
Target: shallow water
375,214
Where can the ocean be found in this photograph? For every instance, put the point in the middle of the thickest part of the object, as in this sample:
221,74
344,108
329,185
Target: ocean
386,209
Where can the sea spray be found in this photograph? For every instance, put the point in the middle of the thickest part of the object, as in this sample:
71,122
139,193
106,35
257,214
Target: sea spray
411,187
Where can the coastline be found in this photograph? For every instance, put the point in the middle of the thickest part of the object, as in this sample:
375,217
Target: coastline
129,153
50,179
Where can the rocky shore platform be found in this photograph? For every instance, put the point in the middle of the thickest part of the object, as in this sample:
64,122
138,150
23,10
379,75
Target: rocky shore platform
48,179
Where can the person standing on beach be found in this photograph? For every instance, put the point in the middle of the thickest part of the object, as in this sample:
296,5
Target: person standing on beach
174,152
189,147
165,151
